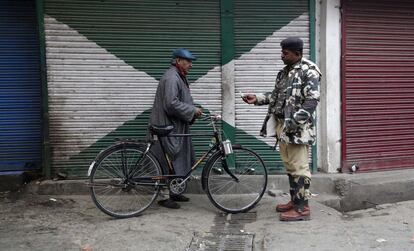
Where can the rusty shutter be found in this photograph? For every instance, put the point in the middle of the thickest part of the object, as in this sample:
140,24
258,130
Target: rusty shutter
378,84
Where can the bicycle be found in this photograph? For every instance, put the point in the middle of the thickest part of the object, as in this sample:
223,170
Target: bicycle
126,178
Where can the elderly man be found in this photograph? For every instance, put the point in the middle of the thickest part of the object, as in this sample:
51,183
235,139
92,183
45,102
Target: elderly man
291,119
173,105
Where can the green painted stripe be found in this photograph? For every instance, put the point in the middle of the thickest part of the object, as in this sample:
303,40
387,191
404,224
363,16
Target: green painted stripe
270,157
256,20
201,144
143,33
312,40
227,31
46,152
137,129
227,52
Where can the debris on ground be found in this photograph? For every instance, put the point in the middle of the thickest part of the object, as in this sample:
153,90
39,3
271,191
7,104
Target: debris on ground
381,240
274,192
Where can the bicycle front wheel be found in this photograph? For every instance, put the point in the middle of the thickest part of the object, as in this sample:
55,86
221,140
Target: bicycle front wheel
120,181
236,195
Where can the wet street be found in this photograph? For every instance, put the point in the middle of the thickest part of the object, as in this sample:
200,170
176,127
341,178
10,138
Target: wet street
34,222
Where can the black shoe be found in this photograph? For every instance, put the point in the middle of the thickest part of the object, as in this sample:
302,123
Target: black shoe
169,203
217,170
179,197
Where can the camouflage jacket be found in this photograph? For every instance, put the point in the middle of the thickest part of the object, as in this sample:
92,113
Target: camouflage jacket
293,103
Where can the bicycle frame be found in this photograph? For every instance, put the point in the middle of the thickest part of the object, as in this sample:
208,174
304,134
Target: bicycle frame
214,148
139,177
185,177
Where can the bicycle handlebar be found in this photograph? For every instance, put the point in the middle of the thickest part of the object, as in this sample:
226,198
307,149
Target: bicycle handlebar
212,117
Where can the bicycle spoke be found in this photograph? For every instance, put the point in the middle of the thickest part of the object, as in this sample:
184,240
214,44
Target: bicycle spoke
121,197
112,169
241,195
144,169
108,172
220,188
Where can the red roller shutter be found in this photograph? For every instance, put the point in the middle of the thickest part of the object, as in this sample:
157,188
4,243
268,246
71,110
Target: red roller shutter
378,84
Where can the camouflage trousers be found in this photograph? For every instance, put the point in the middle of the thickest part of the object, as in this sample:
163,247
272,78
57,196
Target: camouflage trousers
295,159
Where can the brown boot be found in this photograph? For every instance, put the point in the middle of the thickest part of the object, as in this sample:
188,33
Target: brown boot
293,215
280,208
284,207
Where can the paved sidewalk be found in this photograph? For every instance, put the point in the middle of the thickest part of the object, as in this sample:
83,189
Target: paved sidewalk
72,222
344,192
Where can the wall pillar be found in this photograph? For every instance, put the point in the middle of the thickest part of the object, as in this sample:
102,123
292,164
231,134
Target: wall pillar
329,110
227,70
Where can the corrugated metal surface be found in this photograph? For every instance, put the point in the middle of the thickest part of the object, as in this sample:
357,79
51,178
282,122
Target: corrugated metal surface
104,61
256,68
20,90
378,84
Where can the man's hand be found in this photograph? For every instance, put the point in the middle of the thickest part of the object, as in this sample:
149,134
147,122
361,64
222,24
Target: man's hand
249,98
198,112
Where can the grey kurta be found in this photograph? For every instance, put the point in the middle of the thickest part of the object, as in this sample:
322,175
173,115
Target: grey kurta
173,105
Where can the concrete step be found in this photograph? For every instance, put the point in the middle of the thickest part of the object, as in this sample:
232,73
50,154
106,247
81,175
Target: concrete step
11,181
344,192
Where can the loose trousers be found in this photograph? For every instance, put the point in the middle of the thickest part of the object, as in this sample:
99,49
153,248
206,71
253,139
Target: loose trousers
295,158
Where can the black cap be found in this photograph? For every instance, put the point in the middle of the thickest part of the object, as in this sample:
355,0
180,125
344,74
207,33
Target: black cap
292,43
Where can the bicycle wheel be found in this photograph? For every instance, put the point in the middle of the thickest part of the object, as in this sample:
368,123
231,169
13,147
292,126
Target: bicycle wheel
230,195
113,191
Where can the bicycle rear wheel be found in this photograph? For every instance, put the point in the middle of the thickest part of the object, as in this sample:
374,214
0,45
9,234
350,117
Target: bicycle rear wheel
230,195
113,191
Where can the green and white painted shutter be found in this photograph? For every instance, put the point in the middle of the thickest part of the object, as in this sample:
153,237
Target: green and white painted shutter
259,28
104,60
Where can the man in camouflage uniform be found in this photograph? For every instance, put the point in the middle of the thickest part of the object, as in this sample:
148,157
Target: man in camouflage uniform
291,120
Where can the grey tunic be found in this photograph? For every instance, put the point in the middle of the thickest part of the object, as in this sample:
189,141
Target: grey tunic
173,105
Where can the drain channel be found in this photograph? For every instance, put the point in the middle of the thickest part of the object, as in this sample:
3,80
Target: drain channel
222,242
227,234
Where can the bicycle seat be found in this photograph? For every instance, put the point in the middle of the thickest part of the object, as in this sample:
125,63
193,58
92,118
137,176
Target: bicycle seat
161,130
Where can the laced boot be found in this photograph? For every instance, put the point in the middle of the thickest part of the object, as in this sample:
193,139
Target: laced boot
300,210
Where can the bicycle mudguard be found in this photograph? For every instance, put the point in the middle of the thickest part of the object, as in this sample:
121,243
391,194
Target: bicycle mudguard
131,140
208,163
126,142
204,173
226,168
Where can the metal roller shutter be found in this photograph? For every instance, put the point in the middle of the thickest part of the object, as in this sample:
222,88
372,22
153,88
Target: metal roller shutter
104,62
20,90
378,84
258,61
